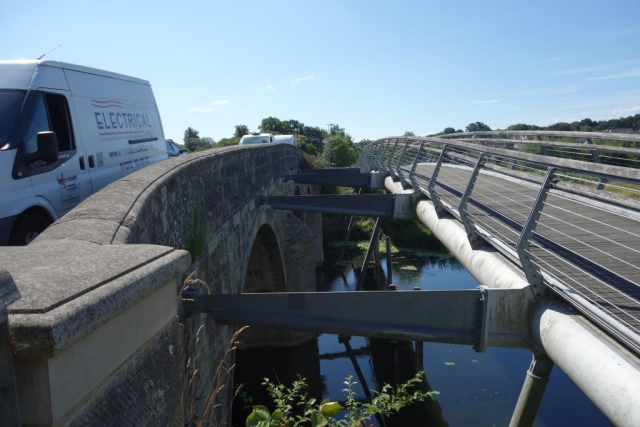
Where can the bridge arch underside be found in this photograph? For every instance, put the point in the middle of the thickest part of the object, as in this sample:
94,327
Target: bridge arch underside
264,272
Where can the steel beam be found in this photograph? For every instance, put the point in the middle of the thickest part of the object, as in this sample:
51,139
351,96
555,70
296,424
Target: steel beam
367,257
339,179
329,171
434,316
378,205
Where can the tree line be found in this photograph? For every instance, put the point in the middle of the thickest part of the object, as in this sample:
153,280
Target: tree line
319,145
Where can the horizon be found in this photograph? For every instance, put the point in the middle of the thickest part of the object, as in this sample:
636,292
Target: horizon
376,70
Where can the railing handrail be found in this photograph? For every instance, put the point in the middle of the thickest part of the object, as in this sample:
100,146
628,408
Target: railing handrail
599,169
629,137
572,145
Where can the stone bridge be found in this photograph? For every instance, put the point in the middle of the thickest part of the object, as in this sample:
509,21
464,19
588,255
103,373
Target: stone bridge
96,333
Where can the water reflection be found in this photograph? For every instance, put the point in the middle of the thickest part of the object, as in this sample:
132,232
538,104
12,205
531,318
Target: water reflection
476,389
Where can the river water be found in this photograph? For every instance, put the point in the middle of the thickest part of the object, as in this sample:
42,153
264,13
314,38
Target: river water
476,389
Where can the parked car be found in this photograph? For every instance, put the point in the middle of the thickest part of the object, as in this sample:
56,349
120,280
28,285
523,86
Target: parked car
66,131
173,150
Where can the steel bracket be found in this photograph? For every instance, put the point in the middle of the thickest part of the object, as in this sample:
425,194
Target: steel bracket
431,188
404,150
378,205
531,269
412,179
472,234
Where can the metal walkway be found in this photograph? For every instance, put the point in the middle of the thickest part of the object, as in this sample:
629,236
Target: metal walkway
570,217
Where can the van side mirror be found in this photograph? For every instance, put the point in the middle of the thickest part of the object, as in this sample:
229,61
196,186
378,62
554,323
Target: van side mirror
47,147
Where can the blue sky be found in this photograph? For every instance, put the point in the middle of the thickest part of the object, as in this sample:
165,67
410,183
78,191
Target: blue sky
376,68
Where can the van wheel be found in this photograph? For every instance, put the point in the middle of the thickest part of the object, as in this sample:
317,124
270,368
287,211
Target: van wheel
27,228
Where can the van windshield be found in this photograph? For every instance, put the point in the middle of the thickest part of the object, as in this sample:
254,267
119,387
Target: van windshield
10,102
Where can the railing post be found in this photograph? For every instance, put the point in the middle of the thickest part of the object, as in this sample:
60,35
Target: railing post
384,154
596,159
472,233
412,180
431,188
395,144
531,269
544,150
404,149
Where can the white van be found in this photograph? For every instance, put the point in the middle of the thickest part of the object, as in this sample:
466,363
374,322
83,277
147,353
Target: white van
66,131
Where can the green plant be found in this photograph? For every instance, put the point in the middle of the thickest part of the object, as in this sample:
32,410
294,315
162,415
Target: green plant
293,407
196,232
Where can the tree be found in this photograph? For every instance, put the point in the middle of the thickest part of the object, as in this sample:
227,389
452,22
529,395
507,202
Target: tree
191,133
343,152
272,125
409,133
477,127
448,130
225,142
559,126
241,130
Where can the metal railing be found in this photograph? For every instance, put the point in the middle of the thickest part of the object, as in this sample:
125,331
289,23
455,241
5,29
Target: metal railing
572,225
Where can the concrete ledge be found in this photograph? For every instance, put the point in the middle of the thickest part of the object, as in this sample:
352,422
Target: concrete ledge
74,372
71,288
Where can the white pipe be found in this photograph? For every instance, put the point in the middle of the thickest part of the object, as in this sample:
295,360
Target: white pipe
607,374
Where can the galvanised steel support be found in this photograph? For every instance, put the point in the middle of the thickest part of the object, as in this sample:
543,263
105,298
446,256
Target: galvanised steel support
328,171
393,150
367,257
474,238
345,241
532,392
544,150
433,316
404,150
389,266
377,205
531,269
412,180
431,188
326,177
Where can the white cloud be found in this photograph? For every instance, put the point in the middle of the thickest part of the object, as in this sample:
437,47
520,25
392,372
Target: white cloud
558,90
201,109
266,88
555,59
626,110
593,68
623,75
490,101
214,106
301,79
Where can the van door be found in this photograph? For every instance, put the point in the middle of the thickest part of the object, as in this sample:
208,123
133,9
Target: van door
66,183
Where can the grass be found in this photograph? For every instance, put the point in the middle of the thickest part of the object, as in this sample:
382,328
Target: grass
215,410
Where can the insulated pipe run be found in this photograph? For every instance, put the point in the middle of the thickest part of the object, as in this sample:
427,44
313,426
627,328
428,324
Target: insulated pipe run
605,372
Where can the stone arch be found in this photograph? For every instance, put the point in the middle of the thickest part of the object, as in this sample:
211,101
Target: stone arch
264,272
263,251
298,214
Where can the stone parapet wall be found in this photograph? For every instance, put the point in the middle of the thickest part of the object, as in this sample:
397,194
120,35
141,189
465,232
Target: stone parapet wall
96,328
